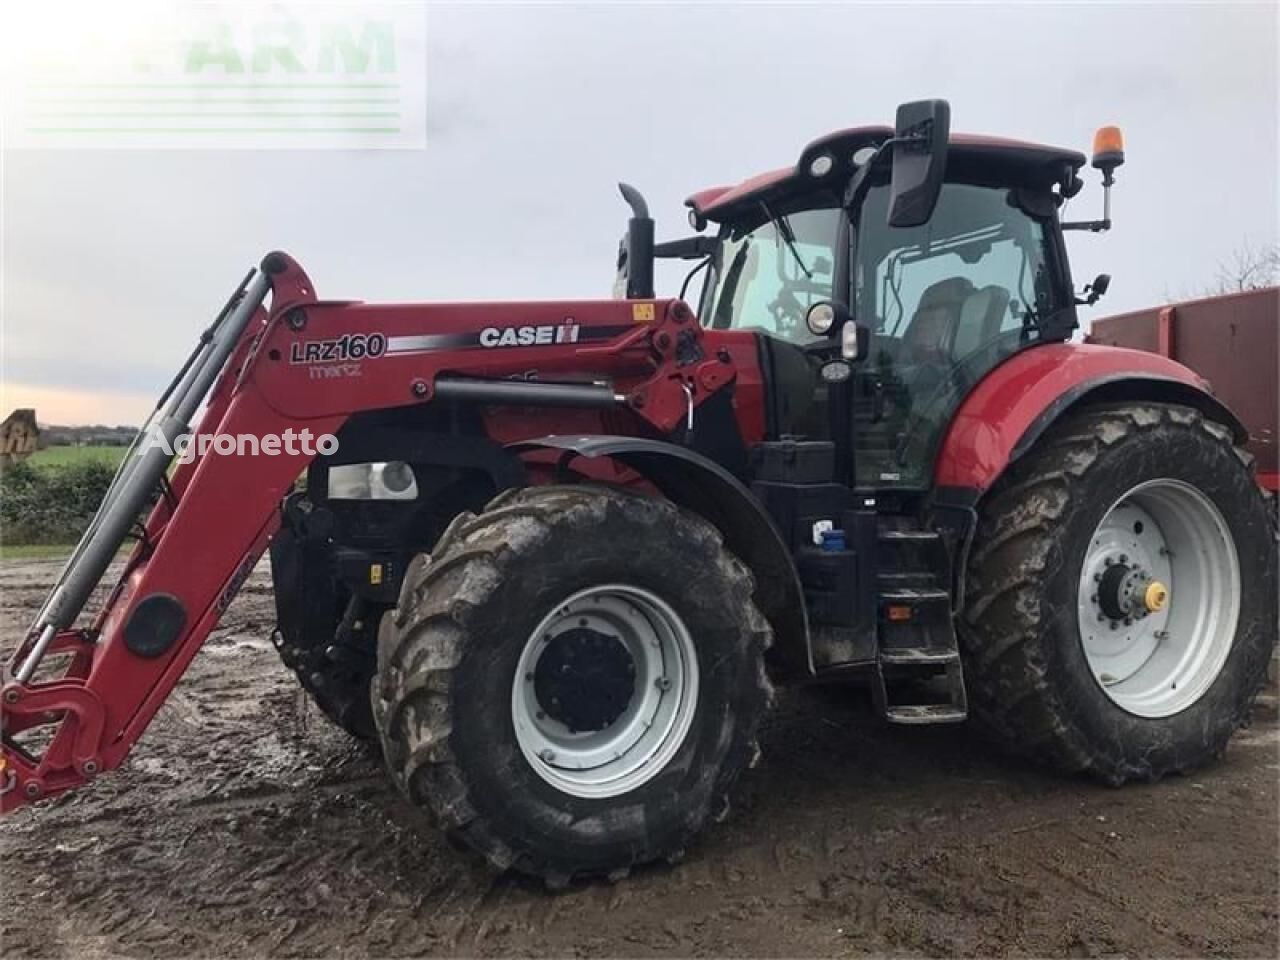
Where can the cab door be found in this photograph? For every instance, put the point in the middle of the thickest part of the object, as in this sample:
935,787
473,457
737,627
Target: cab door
946,301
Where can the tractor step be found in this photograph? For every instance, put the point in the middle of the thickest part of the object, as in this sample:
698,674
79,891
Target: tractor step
926,713
918,675
909,657
914,595
920,686
909,536
912,578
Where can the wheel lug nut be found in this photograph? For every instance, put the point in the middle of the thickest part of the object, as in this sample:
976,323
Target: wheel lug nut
1094,598
1110,561
1097,578
1124,558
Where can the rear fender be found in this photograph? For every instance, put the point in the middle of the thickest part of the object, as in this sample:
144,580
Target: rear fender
1003,417
704,487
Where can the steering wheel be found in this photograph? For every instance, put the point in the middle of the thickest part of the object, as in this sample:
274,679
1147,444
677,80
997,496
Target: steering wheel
788,312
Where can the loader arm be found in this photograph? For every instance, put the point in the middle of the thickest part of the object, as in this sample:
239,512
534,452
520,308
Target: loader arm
297,364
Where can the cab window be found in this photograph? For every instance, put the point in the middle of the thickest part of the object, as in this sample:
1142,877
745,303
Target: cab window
766,280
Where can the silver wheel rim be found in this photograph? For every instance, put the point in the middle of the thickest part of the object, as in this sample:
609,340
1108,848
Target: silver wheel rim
1156,659
640,741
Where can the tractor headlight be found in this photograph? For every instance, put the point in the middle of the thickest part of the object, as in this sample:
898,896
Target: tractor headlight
392,480
820,318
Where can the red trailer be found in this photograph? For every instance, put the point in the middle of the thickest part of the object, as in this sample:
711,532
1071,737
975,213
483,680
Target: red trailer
1232,342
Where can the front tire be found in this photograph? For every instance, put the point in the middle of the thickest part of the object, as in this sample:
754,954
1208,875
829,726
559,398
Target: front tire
1120,596
573,680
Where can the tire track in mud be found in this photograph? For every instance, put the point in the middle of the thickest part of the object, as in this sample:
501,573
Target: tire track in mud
245,825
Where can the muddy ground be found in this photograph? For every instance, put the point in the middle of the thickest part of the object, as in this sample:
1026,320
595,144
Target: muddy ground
244,825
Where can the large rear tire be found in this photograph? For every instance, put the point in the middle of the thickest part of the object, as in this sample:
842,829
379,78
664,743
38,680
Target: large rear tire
573,680
1121,594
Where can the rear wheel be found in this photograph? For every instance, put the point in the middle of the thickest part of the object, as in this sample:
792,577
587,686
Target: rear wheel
1121,594
573,681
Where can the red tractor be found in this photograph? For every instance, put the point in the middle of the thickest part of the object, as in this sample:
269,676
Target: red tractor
563,551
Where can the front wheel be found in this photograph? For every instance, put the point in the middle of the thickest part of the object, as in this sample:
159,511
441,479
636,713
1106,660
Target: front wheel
573,680
1121,594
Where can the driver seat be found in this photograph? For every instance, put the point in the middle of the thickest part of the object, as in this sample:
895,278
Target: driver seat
929,337
981,317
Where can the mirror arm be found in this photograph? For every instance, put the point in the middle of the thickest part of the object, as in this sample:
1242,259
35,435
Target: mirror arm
1093,226
857,185
1098,226
686,248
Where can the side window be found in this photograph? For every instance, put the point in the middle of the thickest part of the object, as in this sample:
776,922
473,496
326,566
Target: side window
953,303
765,283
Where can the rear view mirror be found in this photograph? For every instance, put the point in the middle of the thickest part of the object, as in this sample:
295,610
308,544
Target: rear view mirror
919,161
1093,292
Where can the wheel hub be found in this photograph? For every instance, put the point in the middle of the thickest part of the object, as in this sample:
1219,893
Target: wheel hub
1123,592
584,679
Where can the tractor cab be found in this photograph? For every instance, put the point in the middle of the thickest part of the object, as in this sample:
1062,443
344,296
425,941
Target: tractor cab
877,283
939,296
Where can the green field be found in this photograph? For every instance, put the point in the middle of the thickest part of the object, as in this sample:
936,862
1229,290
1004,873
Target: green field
34,551
61,456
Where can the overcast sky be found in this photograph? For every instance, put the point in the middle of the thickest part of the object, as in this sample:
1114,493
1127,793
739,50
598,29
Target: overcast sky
114,260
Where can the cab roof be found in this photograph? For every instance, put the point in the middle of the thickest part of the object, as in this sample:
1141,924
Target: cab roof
970,156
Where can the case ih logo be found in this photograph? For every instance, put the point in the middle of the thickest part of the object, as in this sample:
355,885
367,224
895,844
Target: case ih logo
544,335
352,346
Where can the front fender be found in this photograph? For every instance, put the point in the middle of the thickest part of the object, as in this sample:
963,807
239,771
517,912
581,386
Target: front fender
704,487
1004,415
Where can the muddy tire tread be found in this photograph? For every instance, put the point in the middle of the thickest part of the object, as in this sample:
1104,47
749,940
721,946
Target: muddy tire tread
1015,550
422,641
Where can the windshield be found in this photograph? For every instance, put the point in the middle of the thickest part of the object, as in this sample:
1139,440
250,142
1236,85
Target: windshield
946,301
767,279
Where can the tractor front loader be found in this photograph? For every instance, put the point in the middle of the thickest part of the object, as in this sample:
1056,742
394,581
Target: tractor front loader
553,557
